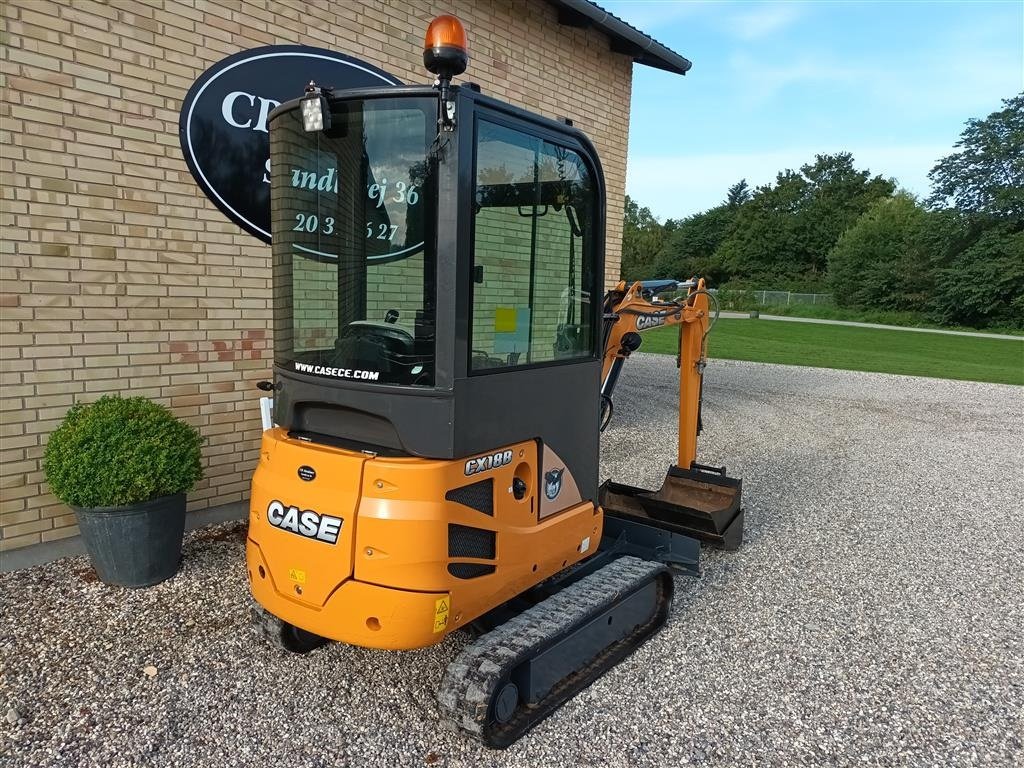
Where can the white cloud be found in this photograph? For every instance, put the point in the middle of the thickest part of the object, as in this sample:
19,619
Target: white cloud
761,81
650,15
752,21
975,83
681,185
924,84
763,20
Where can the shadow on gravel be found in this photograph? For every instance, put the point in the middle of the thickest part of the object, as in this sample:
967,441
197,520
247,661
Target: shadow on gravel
233,532
87,574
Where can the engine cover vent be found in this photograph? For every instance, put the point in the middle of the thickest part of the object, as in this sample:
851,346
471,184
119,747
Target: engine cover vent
478,496
464,541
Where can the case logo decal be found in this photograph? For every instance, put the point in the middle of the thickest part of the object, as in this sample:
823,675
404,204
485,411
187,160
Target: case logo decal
306,523
491,461
643,322
553,483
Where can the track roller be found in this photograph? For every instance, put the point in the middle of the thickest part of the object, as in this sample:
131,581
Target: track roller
511,678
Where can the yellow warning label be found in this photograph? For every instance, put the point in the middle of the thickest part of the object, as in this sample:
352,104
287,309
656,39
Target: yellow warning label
504,319
441,606
296,575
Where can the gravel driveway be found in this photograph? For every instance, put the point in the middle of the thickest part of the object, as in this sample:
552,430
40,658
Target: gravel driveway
873,617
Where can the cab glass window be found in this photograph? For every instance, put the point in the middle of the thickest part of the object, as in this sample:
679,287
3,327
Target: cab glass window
533,252
353,212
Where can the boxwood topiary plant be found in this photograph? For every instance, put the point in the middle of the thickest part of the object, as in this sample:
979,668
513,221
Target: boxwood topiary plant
119,451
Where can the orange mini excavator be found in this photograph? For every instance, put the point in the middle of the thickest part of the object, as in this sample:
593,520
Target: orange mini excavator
439,350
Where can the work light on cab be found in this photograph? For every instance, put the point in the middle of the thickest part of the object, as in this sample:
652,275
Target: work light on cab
316,115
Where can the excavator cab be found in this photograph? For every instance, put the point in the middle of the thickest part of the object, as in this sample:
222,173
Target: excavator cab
439,350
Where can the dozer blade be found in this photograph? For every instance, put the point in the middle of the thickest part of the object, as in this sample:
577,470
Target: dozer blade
702,503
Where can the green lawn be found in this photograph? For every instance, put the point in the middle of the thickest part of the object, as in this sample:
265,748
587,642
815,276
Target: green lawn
857,349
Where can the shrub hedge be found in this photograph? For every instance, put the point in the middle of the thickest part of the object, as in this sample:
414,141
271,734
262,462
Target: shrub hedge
119,451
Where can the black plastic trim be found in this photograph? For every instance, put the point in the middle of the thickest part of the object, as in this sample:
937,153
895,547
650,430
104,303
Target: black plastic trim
470,570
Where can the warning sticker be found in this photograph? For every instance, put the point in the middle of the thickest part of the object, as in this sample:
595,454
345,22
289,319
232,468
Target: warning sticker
505,319
296,575
441,614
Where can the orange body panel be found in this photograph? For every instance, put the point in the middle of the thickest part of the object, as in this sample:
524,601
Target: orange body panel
385,582
405,619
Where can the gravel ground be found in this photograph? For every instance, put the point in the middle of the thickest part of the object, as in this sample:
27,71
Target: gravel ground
873,616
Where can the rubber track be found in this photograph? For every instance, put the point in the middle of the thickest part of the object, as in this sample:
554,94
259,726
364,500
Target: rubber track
269,626
472,678
276,632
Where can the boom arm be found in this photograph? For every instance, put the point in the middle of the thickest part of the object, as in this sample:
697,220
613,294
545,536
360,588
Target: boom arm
695,500
628,312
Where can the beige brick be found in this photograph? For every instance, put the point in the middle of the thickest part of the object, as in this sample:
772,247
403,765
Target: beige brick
15,518
20,529
10,542
60,533
127,278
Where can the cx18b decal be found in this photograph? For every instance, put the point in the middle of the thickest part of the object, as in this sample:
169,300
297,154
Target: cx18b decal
491,461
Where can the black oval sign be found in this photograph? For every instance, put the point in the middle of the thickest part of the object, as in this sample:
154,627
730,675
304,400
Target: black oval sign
223,121
306,472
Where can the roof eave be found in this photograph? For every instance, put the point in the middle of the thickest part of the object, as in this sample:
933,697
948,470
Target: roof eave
625,38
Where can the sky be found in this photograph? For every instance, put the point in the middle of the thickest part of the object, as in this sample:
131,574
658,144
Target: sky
774,83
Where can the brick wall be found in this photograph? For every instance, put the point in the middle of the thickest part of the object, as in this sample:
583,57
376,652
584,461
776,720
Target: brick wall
118,275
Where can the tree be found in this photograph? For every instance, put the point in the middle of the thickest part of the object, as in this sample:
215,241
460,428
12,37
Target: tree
982,281
984,284
888,258
839,195
642,241
986,177
761,246
784,233
692,246
738,194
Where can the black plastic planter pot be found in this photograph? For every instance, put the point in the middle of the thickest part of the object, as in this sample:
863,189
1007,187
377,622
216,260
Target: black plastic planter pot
137,545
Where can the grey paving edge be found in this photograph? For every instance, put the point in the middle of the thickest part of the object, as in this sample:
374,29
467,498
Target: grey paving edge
729,315
37,554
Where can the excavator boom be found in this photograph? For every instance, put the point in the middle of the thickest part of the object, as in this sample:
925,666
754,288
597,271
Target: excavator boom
695,500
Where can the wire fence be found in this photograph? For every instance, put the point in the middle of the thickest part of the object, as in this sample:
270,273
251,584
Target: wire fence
783,298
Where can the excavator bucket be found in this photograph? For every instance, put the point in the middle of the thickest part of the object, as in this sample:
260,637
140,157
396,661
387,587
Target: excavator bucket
701,502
